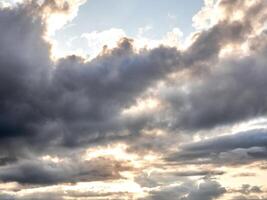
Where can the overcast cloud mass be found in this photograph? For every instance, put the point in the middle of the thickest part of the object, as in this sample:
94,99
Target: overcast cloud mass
181,118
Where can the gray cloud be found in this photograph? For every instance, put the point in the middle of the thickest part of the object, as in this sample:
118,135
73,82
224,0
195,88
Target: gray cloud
233,91
52,101
45,172
200,173
72,101
247,189
4,196
86,98
46,106
230,149
232,88
207,190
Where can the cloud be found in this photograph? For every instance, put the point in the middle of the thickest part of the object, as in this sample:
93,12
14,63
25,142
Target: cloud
86,98
70,96
206,190
56,13
232,91
230,149
53,107
199,173
249,192
247,189
47,171
105,39
249,198
218,89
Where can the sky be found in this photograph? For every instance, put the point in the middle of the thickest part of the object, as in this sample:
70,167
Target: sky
133,100
131,18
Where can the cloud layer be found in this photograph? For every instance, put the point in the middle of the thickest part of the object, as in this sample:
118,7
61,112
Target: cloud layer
133,115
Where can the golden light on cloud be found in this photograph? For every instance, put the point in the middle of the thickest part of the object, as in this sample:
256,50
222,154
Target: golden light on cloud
53,159
154,132
116,151
227,50
143,105
238,15
122,189
55,22
120,152
65,12
9,186
207,16
110,187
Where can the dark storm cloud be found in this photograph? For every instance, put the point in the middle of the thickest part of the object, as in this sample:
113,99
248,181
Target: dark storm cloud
44,104
7,160
55,100
24,59
230,149
106,85
45,172
73,101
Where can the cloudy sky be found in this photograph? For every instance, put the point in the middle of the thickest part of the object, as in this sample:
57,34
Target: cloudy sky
133,100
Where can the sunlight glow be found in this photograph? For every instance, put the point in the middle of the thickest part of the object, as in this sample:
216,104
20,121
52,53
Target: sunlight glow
54,159
143,105
117,151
